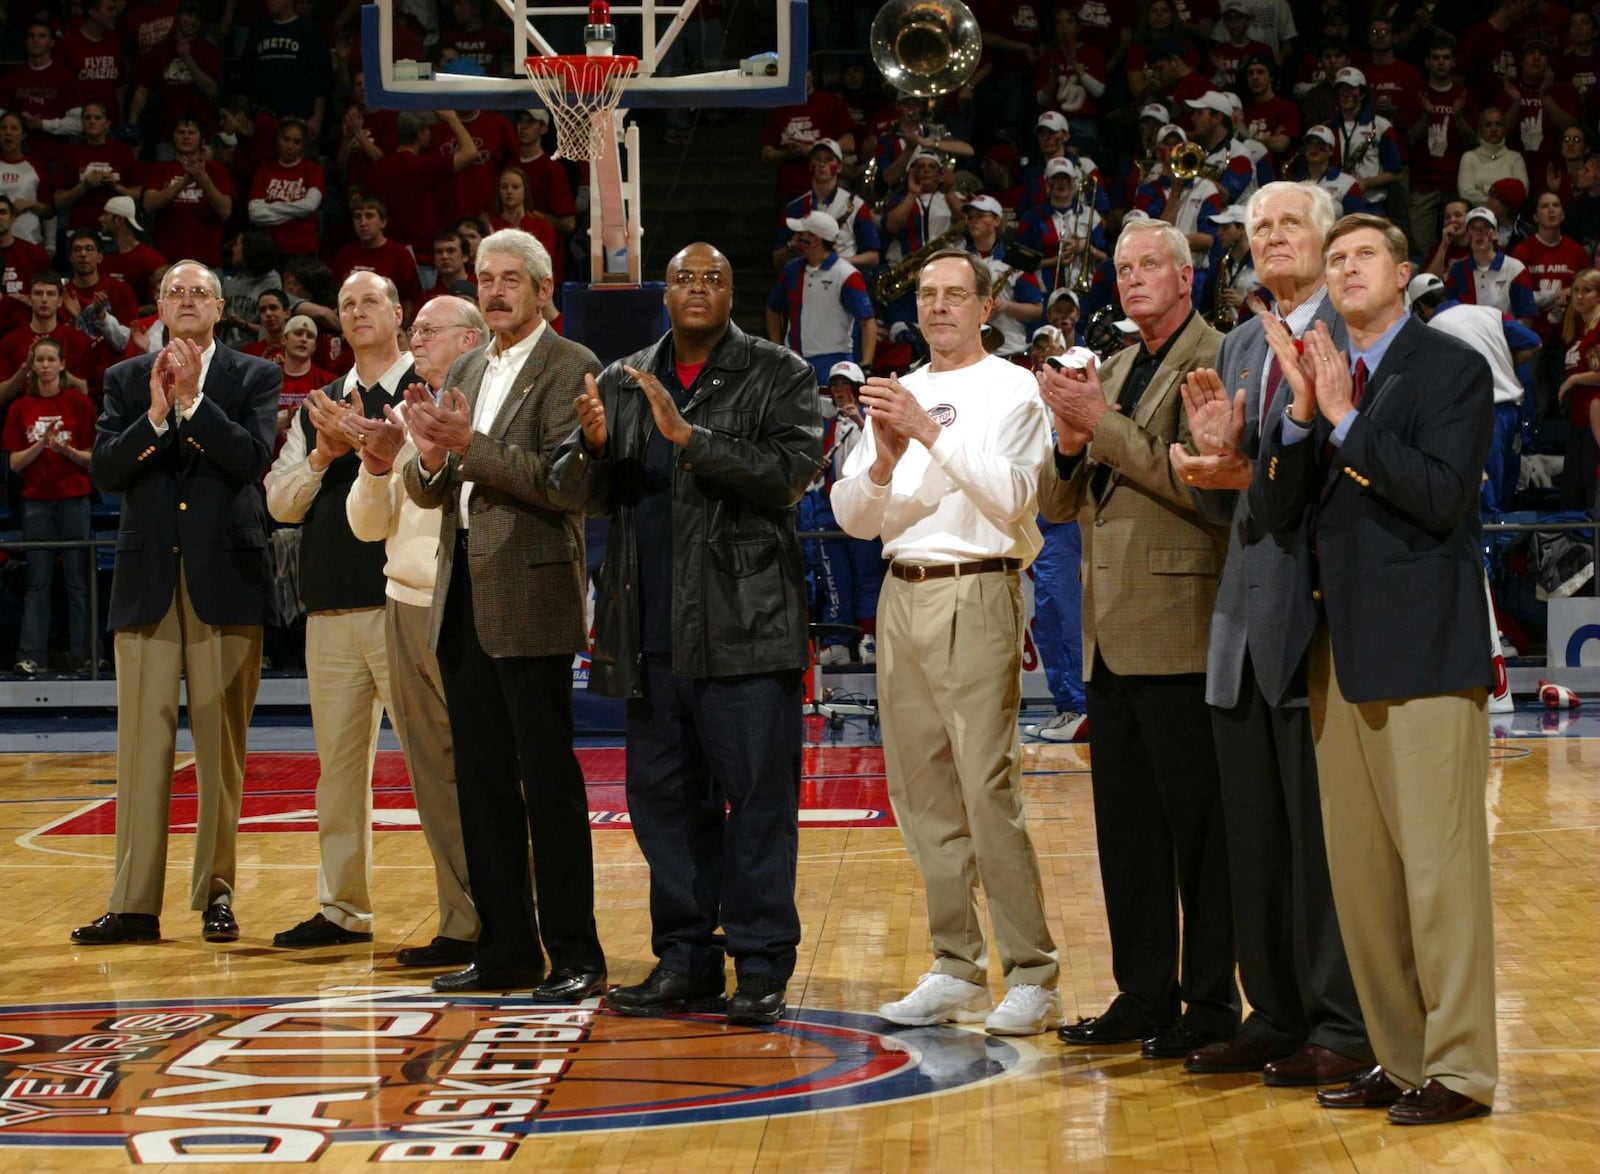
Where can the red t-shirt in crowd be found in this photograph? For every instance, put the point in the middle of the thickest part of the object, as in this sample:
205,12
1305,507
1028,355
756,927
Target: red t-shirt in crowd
472,190
1402,84
1016,20
409,183
821,116
1070,96
295,390
135,267
120,298
14,349
1533,134
100,69
391,259
189,226
489,46
276,184
1226,58
19,261
52,476
1436,161
49,93
172,84
549,190
146,23
1100,22
1551,268
1275,116
76,158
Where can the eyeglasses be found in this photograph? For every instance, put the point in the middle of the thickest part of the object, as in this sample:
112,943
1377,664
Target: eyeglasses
429,333
176,293
711,278
952,297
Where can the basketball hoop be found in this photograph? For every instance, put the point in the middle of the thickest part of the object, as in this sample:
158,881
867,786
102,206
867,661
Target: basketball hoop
581,92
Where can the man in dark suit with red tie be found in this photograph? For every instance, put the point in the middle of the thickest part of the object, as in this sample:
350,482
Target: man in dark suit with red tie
185,436
1386,446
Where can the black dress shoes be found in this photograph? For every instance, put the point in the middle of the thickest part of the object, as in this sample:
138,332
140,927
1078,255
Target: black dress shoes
567,985
1238,1054
474,979
758,1001
1178,1041
317,931
1122,1023
666,992
1313,1064
1434,1104
438,953
114,929
217,923
1371,1090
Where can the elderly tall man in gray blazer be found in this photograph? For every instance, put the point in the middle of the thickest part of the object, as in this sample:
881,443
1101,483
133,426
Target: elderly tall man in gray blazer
1305,1025
508,615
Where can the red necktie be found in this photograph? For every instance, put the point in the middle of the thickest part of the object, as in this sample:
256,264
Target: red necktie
1274,377
1359,383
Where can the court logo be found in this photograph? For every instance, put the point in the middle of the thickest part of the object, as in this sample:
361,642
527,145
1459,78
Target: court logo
415,1077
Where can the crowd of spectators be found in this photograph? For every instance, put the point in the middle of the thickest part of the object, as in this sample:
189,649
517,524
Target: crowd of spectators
138,132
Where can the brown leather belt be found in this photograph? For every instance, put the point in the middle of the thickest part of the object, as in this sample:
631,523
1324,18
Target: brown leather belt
917,572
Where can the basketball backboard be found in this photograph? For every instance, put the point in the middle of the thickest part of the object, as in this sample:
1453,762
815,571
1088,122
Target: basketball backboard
647,29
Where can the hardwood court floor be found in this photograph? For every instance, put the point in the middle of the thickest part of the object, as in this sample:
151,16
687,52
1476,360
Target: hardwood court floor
865,941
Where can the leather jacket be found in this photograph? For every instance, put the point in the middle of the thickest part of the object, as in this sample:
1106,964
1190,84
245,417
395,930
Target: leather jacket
738,575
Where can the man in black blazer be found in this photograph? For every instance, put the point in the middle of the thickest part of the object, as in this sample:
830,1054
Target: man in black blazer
1386,447
1305,1025
184,436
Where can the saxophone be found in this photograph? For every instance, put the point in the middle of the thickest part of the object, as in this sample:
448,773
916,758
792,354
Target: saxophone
897,280
1359,151
1225,318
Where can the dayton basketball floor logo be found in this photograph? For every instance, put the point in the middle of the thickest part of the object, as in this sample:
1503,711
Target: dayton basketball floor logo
419,1077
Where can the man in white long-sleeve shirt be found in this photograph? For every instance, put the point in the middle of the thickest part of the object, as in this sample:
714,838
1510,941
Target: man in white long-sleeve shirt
947,476
379,511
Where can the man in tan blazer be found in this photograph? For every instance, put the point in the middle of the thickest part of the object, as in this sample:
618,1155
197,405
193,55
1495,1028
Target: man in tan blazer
508,615
1151,566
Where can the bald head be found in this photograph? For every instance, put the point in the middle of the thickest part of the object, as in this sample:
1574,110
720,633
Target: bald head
699,293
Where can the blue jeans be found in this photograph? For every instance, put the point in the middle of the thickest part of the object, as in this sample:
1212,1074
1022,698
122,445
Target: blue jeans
52,521
1503,465
1058,613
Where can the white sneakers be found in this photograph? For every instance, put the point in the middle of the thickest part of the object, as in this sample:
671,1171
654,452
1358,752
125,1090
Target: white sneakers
943,998
1066,726
1026,1010
939,998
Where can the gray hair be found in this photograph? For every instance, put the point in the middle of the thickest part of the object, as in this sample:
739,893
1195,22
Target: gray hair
1324,209
520,246
1171,235
466,313
212,279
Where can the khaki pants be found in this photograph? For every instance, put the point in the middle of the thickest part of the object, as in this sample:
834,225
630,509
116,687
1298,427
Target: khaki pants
222,668
347,669
423,725
950,687
1403,786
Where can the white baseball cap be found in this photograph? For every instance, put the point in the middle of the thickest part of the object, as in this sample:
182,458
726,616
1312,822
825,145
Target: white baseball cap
1053,119
123,206
1060,166
1483,214
1322,134
1423,283
1350,76
829,145
985,204
1212,100
846,370
1232,214
1063,292
1156,111
818,223
1171,128
1235,6
1047,333
920,154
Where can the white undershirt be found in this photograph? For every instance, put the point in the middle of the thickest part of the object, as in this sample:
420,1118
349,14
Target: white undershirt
498,377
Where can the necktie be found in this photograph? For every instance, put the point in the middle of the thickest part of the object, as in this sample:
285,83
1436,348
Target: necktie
1359,382
1274,377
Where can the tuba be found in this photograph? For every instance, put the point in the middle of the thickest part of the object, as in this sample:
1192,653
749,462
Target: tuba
926,47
